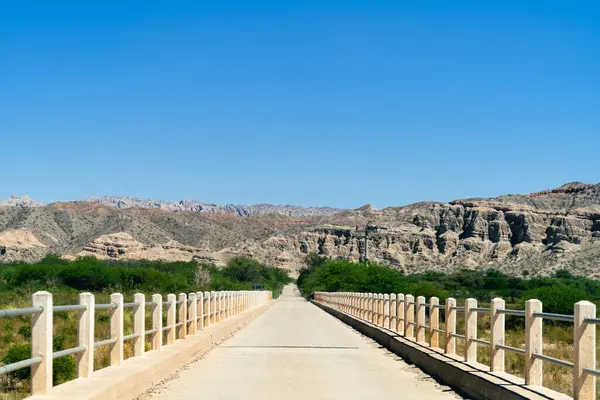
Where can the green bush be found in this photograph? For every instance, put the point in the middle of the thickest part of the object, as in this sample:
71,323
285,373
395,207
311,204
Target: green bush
558,293
559,298
16,353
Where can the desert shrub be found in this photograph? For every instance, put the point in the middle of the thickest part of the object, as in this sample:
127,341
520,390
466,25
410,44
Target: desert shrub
559,298
16,353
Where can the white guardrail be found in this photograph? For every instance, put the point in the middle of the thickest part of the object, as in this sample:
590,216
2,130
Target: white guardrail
186,314
402,314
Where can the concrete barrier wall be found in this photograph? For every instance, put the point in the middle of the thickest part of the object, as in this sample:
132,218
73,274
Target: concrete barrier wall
469,378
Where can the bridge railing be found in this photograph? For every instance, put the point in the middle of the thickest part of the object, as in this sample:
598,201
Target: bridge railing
186,314
402,314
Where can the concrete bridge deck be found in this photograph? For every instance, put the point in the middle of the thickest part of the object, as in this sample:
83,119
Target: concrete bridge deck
297,351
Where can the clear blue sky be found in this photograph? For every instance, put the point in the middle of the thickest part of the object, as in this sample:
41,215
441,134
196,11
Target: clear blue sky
338,103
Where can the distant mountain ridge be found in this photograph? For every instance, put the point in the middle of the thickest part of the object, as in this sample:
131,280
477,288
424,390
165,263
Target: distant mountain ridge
207,208
524,234
124,202
20,201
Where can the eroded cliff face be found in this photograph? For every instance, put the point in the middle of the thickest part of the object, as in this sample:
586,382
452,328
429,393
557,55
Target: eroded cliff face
536,233
533,234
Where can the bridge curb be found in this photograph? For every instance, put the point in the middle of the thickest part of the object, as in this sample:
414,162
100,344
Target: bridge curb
473,380
137,375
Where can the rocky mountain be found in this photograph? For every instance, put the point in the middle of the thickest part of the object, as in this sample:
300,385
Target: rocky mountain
20,201
192,205
531,234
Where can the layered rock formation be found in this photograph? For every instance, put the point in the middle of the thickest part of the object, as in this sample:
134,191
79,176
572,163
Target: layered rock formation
196,206
531,234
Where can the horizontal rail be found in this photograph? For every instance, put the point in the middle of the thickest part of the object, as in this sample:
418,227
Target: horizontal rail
438,330
132,336
411,323
441,306
593,372
67,352
459,308
481,309
105,342
179,302
556,317
456,335
130,305
179,324
110,306
518,313
553,360
510,348
425,326
5,369
480,341
166,328
151,331
20,311
74,307
150,303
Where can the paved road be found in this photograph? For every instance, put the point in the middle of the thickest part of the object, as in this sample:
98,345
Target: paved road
297,351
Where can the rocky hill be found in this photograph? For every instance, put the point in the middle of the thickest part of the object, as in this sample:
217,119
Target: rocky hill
531,234
196,206
20,201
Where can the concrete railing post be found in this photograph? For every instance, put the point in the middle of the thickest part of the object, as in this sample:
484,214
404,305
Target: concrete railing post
85,336
157,319
371,309
386,311
220,305
409,316
393,312
223,309
400,313
116,329
41,344
533,343
450,326
380,309
434,322
171,318
365,306
199,311
193,312
182,316
470,330
207,309
139,325
584,384
217,305
420,319
213,308
497,326
235,303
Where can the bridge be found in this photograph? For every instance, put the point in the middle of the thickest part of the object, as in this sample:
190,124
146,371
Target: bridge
245,345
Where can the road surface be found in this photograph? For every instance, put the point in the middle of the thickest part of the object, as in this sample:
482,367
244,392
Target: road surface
297,351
